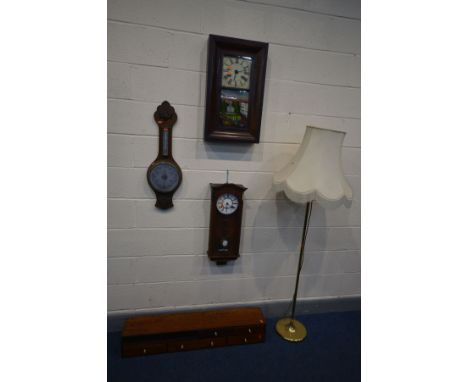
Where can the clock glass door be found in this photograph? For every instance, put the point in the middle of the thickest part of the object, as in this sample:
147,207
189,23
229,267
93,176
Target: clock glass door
235,91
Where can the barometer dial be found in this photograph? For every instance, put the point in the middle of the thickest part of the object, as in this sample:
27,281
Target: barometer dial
164,177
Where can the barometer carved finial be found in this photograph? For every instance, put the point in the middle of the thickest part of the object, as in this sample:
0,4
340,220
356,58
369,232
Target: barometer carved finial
165,115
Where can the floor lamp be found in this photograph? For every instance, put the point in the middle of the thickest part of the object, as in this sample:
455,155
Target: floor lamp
315,173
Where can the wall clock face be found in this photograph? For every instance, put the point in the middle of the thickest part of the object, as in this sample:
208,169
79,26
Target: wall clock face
227,204
236,72
234,92
164,177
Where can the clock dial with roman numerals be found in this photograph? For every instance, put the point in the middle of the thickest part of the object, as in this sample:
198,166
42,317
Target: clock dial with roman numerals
236,72
227,204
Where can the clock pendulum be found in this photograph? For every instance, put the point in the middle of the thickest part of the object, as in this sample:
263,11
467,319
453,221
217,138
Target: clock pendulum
225,221
164,174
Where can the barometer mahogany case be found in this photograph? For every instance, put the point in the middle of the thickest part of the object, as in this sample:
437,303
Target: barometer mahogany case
164,174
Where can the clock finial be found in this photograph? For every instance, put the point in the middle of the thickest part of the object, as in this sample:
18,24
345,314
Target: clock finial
227,176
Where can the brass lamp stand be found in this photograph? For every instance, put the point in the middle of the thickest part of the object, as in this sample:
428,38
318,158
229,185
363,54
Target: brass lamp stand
289,328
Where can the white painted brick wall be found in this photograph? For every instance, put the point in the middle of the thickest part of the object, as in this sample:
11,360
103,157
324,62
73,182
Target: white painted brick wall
157,51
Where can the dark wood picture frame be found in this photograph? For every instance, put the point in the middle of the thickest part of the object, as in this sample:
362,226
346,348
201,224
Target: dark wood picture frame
218,47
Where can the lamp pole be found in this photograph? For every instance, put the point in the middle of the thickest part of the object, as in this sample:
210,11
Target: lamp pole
289,328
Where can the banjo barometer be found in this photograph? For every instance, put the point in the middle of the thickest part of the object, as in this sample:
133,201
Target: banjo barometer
164,174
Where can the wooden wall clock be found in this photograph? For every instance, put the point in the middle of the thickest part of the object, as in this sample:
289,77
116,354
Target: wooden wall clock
225,221
164,174
234,89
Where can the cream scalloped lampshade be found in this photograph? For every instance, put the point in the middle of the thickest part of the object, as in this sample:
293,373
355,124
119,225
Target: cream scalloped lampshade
315,172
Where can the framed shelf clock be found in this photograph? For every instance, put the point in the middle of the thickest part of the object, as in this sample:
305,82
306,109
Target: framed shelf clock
234,89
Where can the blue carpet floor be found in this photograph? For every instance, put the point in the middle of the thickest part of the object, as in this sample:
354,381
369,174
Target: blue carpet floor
331,352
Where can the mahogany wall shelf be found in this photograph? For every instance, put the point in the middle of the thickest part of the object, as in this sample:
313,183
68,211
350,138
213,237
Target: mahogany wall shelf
147,335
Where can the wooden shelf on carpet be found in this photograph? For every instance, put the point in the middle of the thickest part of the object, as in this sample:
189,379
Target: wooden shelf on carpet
163,333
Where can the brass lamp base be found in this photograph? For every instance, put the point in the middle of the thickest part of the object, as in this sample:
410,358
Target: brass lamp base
291,330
